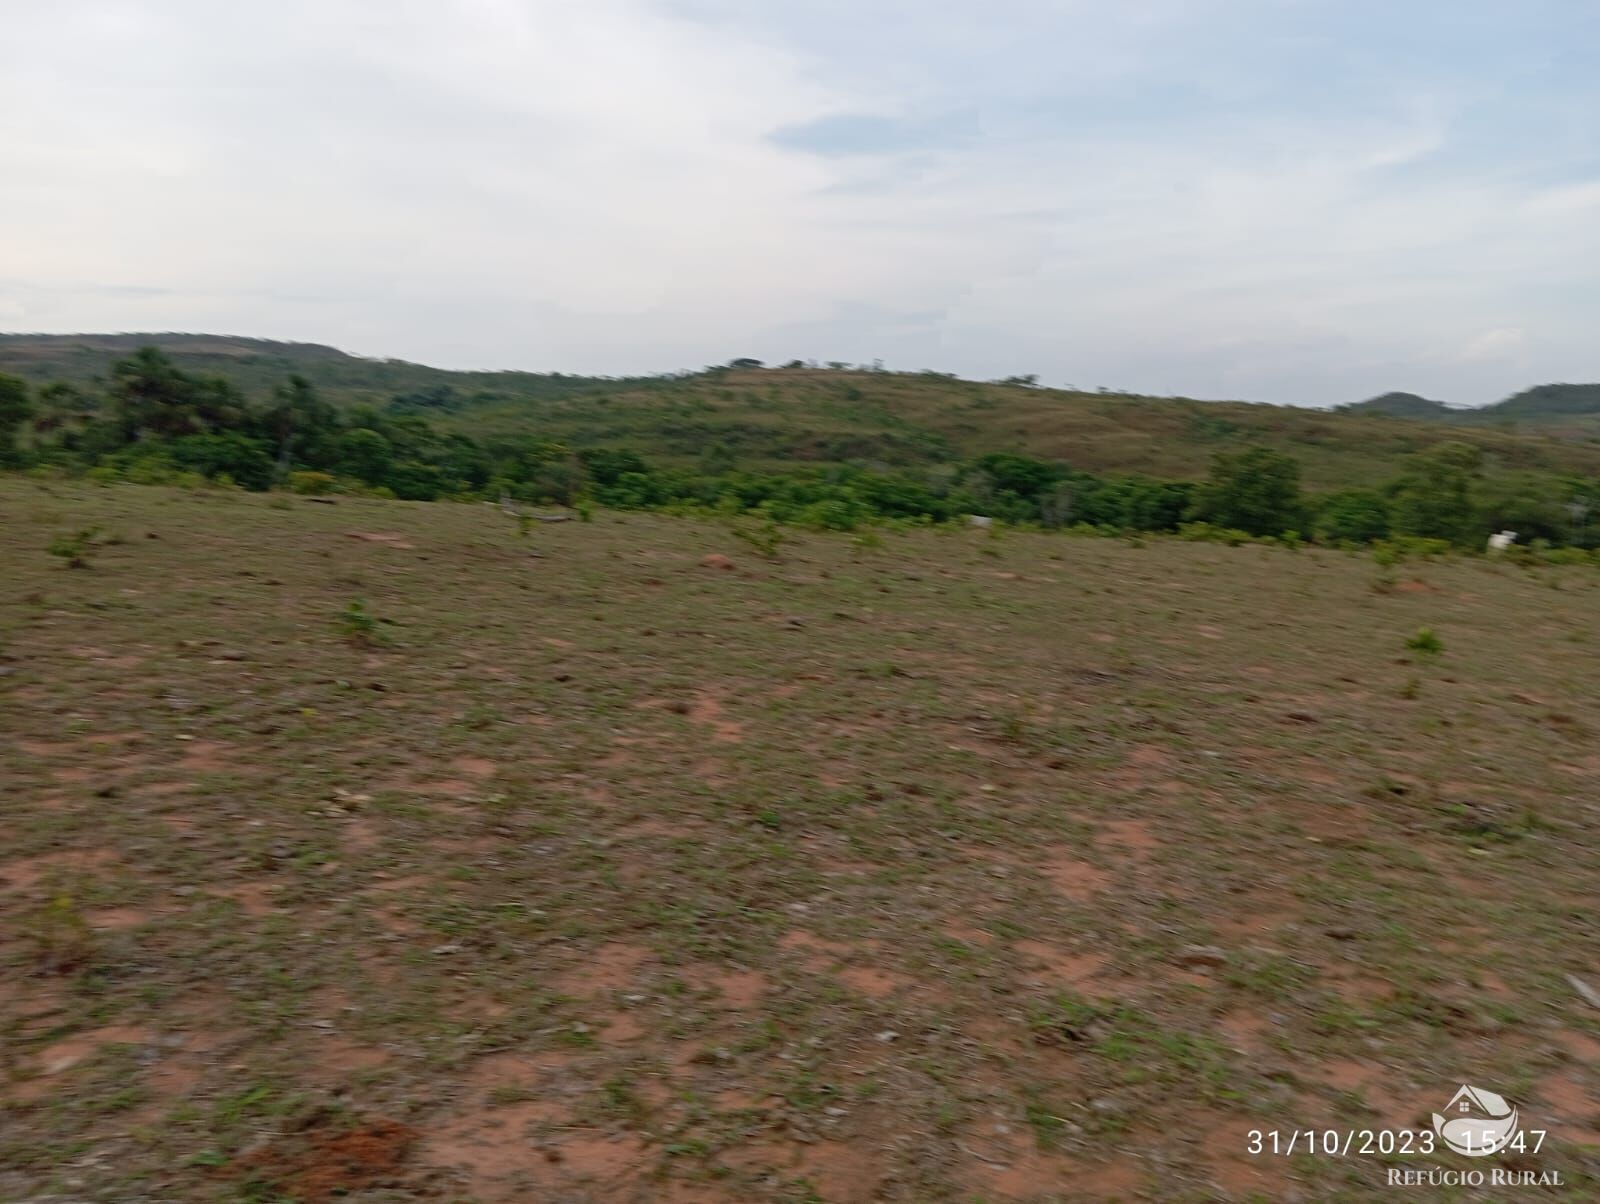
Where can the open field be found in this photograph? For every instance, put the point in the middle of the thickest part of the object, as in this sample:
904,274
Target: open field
924,867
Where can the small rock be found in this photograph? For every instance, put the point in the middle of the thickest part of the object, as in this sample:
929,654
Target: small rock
444,950
716,560
888,1035
1203,956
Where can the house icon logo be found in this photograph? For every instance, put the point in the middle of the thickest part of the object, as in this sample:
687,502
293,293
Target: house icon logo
1476,1122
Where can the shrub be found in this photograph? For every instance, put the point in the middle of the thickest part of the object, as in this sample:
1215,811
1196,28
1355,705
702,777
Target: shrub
764,540
312,483
1425,643
77,548
360,626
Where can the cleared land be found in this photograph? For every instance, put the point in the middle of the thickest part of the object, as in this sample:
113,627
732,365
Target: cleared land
956,868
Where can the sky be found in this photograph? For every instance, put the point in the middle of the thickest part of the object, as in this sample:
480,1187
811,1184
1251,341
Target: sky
1301,201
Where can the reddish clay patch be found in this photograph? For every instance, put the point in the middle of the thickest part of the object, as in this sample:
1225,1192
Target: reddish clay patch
624,1026
1245,1031
1235,1172
254,898
28,872
741,989
1074,879
1076,970
1131,837
493,1149
204,756
843,1172
1572,1109
797,940
319,1166
69,1052
611,967
386,538
706,710
1581,1047
872,981
118,919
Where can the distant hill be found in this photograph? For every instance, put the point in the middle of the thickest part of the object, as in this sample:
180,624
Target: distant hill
763,418
260,365
1549,402
1403,405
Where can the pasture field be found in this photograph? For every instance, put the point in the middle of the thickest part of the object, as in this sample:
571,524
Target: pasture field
375,851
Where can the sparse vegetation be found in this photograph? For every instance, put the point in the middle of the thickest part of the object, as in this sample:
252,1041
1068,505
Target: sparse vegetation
713,883
77,548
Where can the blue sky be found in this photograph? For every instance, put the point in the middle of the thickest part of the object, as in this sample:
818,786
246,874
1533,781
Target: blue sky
1286,200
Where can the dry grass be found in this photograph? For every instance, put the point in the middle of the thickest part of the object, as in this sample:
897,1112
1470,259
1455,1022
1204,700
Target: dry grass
861,874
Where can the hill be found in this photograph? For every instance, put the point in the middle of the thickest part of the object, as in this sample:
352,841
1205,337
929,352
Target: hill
1563,411
1403,405
762,418
1568,408
943,869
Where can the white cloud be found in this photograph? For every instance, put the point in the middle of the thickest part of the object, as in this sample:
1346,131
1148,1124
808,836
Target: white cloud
1501,343
598,187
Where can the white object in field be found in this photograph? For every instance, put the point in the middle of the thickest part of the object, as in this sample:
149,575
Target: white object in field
1501,541
979,520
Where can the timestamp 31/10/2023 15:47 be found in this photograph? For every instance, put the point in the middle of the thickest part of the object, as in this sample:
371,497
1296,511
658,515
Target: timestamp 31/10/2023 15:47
1345,1143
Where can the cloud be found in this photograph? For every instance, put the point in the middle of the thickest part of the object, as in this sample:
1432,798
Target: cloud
1304,201
1501,343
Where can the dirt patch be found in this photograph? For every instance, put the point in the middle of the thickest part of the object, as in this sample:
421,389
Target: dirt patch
1058,965
1131,837
385,538
872,981
740,989
1238,1175
118,919
320,1165
477,768
1573,1113
493,1149
1073,878
253,898
26,873
843,1172
204,756
69,1052
706,710
611,967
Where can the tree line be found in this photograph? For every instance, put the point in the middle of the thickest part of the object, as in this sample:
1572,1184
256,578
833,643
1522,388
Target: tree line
158,424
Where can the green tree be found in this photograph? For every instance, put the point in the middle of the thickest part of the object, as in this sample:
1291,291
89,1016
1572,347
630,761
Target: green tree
1433,498
1357,515
364,454
16,408
153,397
299,424
1257,491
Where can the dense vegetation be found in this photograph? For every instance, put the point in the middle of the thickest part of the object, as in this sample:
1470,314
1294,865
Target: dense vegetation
151,421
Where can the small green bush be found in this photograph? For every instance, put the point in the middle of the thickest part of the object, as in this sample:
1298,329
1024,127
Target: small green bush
77,548
1425,643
